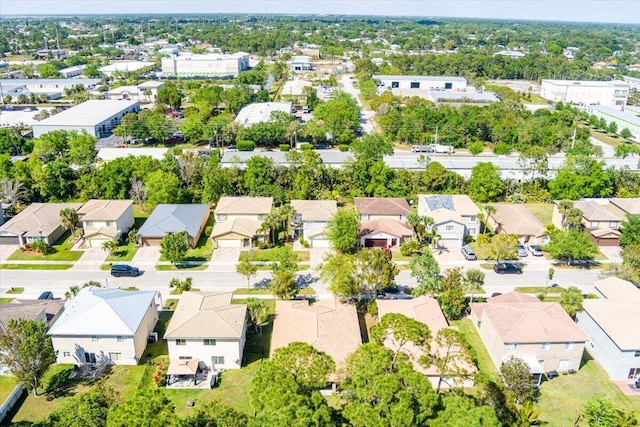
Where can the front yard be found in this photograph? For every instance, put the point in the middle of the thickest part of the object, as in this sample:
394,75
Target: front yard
59,251
273,254
123,253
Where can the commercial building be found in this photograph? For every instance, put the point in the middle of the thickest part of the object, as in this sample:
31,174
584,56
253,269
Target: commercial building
72,71
144,92
301,63
96,117
607,93
628,118
260,112
53,88
422,82
124,67
215,65
634,82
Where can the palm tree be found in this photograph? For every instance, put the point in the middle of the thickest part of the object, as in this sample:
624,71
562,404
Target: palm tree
12,191
69,219
571,216
109,245
287,213
490,210
272,223
527,416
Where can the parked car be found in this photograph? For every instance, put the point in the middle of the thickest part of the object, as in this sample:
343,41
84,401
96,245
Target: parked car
120,270
46,295
522,250
535,250
175,138
507,268
468,253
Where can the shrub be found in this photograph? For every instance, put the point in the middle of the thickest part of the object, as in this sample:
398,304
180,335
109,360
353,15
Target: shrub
410,247
284,147
344,147
207,230
304,147
475,148
246,145
502,149
304,242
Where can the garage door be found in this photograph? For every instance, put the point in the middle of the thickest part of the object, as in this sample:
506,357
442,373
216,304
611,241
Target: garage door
151,241
9,240
229,243
320,243
450,243
96,242
375,243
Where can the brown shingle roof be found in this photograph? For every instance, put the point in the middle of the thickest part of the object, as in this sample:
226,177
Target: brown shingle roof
244,205
593,211
207,315
103,210
385,225
630,206
381,206
518,220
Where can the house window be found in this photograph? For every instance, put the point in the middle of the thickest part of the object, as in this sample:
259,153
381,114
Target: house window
449,228
595,224
415,85
181,342
395,85
95,338
120,339
221,217
209,342
66,354
613,224
633,373
512,346
545,346
364,217
88,223
185,358
111,223
217,360
472,231
90,358
568,346
115,356
472,219
636,354
261,217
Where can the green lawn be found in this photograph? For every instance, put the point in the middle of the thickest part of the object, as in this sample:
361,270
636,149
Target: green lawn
397,256
15,290
7,384
542,211
273,254
562,397
60,251
606,137
202,252
5,300
35,266
539,290
482,251
481,357
123,253
159,352
181,267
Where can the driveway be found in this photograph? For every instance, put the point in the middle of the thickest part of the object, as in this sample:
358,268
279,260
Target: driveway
6,251
91,259
146,256
224,259
317,255
612,253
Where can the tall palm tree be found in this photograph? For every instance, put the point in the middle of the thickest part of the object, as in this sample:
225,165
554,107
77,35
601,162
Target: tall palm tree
287,213
12,191
489,210
571,216
69,219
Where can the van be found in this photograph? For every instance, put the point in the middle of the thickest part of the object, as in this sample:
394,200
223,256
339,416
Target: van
468,253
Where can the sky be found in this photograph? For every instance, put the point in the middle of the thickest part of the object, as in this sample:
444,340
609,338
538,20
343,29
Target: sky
610,11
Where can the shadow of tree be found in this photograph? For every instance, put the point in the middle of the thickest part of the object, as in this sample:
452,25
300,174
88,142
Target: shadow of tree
61,385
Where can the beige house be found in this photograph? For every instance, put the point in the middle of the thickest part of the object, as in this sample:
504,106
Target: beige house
38,221
384,232
426,310
105,326
455,216
238,219
540,333
371,208
310,220
518,220
599,219
104,220
206,327
328,325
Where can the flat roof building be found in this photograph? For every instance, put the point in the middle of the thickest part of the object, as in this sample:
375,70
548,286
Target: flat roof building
612,93
422,82
186,65
124,67
628,118
97,117
261,112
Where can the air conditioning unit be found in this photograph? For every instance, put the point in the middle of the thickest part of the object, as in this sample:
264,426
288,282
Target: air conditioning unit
152,338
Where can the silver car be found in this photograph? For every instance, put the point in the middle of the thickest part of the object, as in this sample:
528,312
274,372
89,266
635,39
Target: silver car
535,250
522,250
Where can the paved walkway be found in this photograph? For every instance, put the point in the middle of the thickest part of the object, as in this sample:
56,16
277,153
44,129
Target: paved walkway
92,259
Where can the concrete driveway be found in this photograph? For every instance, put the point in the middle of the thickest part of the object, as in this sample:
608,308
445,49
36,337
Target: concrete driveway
146,256
92,259
612,252
6,251
224,259
317,255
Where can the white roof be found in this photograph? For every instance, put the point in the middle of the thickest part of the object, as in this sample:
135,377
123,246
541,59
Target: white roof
587,83
261,112
421,78
89,113
125,66
103,312
108,154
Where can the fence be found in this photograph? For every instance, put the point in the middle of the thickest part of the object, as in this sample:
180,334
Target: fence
10,401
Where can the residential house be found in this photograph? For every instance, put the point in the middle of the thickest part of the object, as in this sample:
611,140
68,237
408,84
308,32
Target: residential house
454,217
613,327
517,220
39,221
310,220
104,220
206,327
599,220
382,221
328,325
425,310
238,220
540,333
105,326
169,219
630,206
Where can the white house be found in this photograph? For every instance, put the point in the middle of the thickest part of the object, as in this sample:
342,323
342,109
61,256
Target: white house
311,218
613,327
238,219
104,220
454,216
105,326
206,327
608,93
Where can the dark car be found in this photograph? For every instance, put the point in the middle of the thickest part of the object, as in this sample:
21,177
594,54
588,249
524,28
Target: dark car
468,253
46,295
121,270
507,268
175,138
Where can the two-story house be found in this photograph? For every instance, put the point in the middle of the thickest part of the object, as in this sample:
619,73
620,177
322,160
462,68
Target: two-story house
169,219
540,333
382,221
105,326
454,217
600,220
206,327
238,219
310,220
612,324
104,220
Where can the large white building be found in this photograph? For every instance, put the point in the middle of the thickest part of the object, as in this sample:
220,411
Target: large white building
124,67
205,65
260,112
422,82
628,118
607,93
97,117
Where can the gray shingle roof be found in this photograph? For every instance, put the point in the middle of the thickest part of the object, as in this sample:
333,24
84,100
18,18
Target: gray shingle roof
166,219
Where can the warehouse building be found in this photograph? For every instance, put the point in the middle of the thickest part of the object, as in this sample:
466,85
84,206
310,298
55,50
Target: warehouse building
629,118
607,93
211,65
260,112
97,117
422,82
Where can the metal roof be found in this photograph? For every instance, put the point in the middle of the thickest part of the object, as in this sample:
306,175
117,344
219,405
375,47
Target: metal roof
89,113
